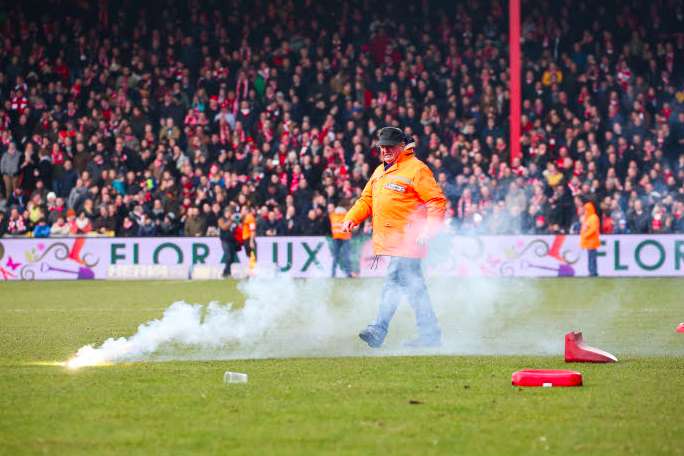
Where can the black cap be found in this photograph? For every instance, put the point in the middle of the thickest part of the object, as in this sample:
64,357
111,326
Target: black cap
390,136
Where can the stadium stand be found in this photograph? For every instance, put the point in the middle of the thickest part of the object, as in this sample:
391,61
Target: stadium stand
123,119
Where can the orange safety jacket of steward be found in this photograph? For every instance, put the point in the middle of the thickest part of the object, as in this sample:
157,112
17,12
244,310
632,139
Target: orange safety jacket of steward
589,234
405,202
336,219
248,227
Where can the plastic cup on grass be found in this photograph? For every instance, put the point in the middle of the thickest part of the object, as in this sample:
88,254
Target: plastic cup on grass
234,377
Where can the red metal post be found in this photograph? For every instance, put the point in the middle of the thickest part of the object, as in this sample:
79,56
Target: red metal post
514,61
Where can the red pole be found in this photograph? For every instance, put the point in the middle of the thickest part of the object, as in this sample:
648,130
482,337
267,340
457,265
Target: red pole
514,89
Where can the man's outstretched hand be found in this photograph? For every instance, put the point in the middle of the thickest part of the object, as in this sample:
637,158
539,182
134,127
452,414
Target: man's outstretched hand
348,226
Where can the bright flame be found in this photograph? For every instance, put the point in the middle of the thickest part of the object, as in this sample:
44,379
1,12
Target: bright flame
87,356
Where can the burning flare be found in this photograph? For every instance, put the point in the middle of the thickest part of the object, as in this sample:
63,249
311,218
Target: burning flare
210,327
88,356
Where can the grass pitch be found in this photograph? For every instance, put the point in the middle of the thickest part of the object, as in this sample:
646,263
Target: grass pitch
347,405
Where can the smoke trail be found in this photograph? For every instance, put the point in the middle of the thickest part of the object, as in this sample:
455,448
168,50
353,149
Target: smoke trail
270,301
284,317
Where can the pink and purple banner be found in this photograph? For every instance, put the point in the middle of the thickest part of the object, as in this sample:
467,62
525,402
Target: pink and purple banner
88,258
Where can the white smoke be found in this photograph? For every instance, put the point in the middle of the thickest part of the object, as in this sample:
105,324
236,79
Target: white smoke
285,317
280,316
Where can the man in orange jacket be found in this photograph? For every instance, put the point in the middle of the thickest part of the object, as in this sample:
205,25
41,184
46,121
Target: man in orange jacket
589,235
407,206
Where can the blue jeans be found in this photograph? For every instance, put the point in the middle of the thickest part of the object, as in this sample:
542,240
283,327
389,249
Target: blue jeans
405,277
593,272
340,254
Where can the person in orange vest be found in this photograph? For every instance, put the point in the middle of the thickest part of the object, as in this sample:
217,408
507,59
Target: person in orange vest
249,235
340,241
589,235
407,207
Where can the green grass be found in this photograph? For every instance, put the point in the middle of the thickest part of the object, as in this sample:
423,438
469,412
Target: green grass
347,405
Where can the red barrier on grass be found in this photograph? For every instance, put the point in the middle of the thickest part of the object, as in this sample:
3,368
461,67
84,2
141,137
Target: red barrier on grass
546,377
577,352
680,328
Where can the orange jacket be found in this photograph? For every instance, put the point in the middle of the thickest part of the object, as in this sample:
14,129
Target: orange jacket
405,202
248,226
589,234
336,219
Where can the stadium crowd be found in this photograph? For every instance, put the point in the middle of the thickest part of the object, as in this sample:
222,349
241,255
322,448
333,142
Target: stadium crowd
122,119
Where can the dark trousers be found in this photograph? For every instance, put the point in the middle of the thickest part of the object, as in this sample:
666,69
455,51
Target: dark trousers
340,254
229,255
405,278
593,271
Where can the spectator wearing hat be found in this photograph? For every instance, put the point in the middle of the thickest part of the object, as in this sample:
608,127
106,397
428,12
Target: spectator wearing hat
71,221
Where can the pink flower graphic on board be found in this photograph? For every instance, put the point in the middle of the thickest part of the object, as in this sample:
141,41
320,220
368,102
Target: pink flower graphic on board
12,264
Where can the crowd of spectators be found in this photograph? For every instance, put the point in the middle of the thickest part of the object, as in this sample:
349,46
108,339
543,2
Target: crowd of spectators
125,119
